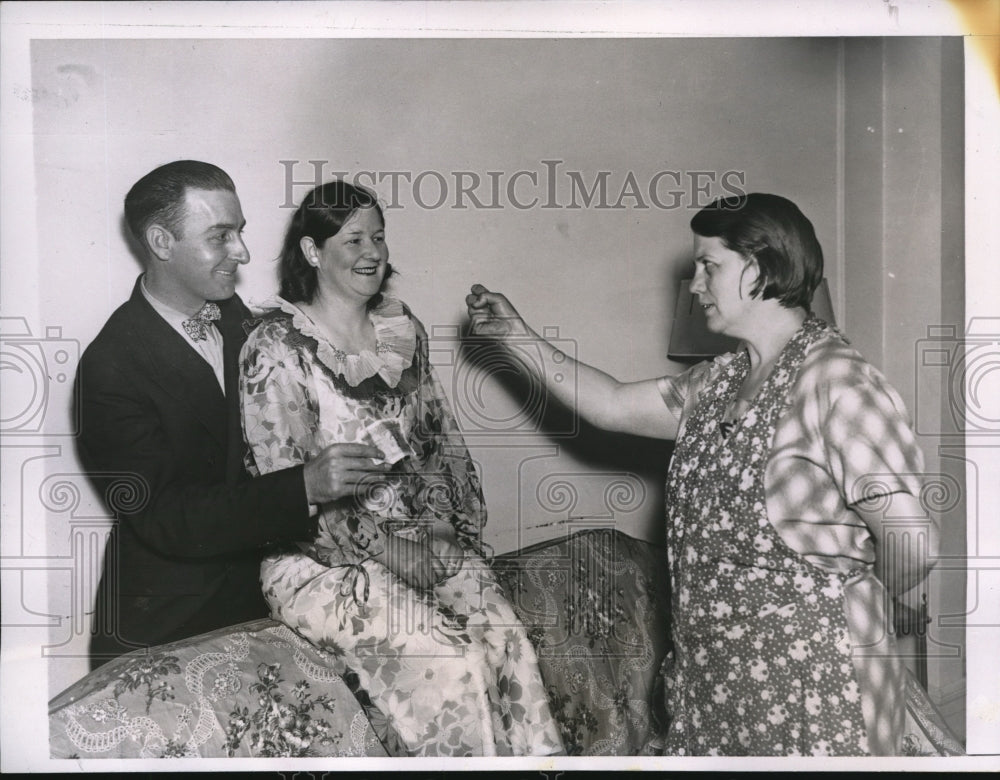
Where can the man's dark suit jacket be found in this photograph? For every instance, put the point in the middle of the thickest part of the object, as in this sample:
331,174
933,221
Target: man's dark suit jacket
164,447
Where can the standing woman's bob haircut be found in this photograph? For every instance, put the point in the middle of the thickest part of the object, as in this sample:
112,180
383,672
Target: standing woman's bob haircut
322,214
771,230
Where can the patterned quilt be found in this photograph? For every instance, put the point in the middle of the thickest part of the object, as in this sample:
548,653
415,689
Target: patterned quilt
596,610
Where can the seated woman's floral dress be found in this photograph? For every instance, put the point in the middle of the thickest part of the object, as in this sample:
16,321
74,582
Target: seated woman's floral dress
451,668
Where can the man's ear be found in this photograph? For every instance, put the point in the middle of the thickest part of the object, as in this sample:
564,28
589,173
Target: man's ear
160,241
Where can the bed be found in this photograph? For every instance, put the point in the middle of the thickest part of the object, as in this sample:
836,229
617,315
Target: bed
596,609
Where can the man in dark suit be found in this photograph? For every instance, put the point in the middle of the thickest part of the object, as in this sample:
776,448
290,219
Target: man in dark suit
161,436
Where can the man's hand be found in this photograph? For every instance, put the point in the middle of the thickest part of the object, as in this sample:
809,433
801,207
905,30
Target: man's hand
338,470
491,314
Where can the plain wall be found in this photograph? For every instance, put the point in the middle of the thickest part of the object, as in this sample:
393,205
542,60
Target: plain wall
777,112
904,275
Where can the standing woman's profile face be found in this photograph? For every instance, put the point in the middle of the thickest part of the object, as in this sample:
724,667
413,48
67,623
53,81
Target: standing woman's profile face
722,281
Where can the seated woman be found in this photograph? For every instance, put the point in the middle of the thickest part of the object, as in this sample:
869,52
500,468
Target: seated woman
789,452
394,581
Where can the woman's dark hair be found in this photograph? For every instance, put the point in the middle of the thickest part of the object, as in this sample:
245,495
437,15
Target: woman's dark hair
158,197
771,230
322,214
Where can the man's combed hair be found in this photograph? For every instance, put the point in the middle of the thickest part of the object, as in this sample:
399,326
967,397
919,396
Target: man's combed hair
774,232
158,197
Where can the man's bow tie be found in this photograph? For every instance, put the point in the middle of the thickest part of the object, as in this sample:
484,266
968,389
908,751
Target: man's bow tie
197,326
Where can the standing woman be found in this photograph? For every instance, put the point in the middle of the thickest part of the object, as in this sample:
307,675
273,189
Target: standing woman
394,582
788,452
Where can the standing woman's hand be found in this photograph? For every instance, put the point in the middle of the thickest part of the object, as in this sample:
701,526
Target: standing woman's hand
493,315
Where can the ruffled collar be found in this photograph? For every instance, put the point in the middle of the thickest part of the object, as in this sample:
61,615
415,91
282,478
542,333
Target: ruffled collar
395,342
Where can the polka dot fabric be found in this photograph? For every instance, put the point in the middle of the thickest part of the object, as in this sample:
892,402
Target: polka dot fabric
762,663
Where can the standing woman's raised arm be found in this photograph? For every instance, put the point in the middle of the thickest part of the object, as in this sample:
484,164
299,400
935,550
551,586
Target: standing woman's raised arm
600,399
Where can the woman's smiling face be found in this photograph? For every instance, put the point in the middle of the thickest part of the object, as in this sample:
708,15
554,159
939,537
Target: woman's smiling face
722,281
352,262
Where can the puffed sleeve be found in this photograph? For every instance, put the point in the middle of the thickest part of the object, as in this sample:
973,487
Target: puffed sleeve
279,420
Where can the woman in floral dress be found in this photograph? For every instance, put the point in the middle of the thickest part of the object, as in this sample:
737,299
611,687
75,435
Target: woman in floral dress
394,582
789,453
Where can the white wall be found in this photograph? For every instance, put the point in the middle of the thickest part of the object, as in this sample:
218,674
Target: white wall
112,110
108,111
904,272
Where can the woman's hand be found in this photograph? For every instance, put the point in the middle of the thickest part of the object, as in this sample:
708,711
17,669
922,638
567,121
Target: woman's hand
338,470
493,315
447,554
423,564
411,561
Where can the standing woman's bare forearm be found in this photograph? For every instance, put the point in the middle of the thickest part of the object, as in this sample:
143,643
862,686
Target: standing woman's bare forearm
599,398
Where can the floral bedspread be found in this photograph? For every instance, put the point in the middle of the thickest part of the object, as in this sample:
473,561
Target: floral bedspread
252,690
596,610
595,607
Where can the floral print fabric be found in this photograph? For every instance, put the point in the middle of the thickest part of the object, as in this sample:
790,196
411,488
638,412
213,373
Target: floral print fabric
595,605
253,690
297,398
451,668
763,661
844,434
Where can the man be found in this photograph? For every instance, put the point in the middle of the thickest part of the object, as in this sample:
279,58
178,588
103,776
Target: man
161,436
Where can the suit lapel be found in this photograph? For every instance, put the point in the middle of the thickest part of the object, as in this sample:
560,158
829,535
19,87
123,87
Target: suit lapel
177,368
233,337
